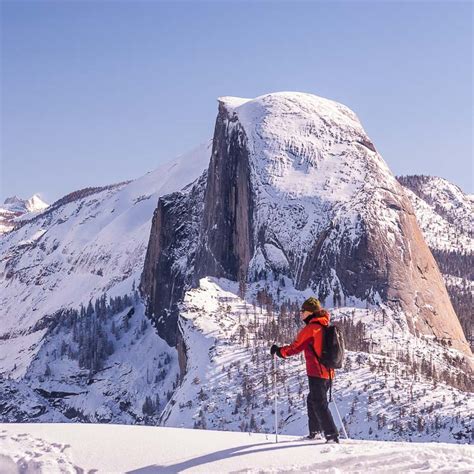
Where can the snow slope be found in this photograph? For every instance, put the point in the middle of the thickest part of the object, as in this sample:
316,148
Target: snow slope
78,251
229,375
73,448
443,211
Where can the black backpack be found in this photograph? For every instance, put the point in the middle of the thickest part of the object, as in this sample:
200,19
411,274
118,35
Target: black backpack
332,356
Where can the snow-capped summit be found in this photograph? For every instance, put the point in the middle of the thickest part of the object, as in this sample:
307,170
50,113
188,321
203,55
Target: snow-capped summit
293,102
15,209
33,204
298,139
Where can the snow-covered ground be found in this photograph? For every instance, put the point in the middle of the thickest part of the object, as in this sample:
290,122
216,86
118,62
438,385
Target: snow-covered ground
80,448
381,394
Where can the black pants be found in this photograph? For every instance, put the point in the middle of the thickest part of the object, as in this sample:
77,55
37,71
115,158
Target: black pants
320,418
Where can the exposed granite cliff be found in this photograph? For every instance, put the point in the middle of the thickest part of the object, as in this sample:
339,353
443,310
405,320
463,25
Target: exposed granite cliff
170,255
204,230
226,243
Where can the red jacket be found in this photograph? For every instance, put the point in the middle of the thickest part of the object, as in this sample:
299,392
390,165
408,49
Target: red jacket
311,335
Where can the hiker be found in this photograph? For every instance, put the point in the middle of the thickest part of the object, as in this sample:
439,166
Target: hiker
310,339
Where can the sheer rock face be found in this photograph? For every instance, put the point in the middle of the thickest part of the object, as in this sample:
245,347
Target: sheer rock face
170,255
226,243
444,213
296,188
204,231
416,281
404,272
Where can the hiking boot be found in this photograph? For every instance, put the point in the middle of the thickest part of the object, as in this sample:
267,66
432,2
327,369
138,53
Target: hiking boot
332,439
314,435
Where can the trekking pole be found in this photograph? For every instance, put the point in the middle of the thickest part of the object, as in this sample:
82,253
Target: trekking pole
275,395
340,419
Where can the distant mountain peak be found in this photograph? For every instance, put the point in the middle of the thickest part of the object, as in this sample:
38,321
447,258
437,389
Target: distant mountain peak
12,200
15,209
33,204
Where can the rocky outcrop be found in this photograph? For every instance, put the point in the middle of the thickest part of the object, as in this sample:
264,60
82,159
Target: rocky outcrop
226,243
416,281
295,187
170,256
398,267
444,214
205,230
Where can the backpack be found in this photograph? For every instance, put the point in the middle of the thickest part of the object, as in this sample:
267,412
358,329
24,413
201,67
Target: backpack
332,356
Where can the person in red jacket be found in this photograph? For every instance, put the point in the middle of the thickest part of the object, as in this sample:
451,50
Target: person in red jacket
310,340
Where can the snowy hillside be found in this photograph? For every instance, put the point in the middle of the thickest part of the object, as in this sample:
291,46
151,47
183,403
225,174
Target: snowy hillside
384,392
444,212
73,448
108,366
87,248
79,251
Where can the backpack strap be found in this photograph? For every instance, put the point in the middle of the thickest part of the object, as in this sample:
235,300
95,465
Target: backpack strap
312,348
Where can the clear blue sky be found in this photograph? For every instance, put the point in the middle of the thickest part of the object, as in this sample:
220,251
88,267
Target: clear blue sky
98,92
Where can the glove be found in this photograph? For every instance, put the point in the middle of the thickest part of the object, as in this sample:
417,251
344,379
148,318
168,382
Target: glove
275,350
